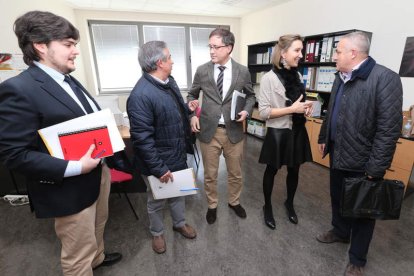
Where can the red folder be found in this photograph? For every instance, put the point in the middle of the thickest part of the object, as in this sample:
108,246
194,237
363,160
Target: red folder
75,144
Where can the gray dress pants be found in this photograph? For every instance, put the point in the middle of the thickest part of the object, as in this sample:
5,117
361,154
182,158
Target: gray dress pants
155,209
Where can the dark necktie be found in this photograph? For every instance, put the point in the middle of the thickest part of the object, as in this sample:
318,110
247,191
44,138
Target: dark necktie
79,94
220,80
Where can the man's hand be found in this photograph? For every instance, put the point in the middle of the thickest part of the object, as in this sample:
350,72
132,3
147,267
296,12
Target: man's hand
167,177
242,116
192,105
195,124
321,148
88,163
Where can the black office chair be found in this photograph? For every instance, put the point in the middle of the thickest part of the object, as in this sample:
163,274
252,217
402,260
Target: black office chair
195,149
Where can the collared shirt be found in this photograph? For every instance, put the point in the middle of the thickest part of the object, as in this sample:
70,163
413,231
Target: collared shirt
346,76
226,80
74,167
160,80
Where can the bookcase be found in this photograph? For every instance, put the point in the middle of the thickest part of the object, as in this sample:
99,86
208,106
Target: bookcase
259,59
259,62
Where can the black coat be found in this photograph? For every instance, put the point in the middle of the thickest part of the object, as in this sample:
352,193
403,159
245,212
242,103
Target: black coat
28,102
369,120
160,128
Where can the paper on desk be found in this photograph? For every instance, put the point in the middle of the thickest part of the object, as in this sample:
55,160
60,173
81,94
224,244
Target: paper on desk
183,180
50,135
238,101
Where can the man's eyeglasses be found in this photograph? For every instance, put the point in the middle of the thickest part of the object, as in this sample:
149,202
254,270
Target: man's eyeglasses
214,47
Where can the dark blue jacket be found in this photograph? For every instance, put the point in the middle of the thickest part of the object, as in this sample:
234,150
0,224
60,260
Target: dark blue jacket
160,128
368,121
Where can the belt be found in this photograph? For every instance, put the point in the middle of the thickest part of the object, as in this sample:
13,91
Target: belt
221,125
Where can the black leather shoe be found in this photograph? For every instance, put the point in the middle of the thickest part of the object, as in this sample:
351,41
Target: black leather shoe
293,218
211,215
239,210
268,218
110,259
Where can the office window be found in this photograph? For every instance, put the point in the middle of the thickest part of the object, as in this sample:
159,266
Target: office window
200,53
116,56
175,39
115,48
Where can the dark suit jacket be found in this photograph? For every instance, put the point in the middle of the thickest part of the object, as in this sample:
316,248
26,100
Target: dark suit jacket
28,102
213,105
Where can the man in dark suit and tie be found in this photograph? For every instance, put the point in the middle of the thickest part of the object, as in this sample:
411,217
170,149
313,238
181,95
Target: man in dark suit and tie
218,79
74,193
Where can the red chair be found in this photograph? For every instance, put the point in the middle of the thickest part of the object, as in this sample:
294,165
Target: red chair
119,178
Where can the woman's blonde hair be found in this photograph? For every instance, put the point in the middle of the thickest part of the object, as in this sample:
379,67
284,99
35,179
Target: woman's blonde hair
284,42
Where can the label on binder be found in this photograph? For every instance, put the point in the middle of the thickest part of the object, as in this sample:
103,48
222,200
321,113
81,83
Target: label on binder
76,143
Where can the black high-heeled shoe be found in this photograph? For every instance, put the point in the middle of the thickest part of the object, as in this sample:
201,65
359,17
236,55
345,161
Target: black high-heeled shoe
293,218
268,218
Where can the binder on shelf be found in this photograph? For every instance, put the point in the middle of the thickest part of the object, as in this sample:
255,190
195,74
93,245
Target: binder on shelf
335,44
270,51
307,51
259,76
82,126
326,77
323,51
305,76
309,78
183,185
317,50
265,58
76,143
259,59
329,49
311,51
238,101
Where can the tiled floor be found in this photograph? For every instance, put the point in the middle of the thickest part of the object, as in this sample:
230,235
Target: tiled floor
231,246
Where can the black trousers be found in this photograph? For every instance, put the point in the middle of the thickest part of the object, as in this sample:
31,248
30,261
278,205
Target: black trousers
359,231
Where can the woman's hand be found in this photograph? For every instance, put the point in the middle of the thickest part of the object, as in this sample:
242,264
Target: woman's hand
300,107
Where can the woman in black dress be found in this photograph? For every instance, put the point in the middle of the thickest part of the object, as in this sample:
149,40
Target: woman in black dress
282,104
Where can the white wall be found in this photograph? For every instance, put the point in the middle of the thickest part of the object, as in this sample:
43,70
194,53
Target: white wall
10,10
82,16
389,21
85,70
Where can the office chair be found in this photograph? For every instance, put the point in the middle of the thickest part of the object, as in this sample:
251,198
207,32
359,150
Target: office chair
118,180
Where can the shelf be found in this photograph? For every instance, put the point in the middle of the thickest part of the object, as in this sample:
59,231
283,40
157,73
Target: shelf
257,136
317,91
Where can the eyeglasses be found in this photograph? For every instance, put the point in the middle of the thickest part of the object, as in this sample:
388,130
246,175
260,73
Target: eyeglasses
214,47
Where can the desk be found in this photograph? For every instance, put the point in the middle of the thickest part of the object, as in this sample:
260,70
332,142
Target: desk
124,130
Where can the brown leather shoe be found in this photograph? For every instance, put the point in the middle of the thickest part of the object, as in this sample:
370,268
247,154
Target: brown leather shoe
187,231
353,270
158,244
330,237
239,210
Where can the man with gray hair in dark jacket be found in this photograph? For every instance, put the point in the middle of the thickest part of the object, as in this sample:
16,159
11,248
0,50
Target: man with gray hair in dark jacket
160,135
360,132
